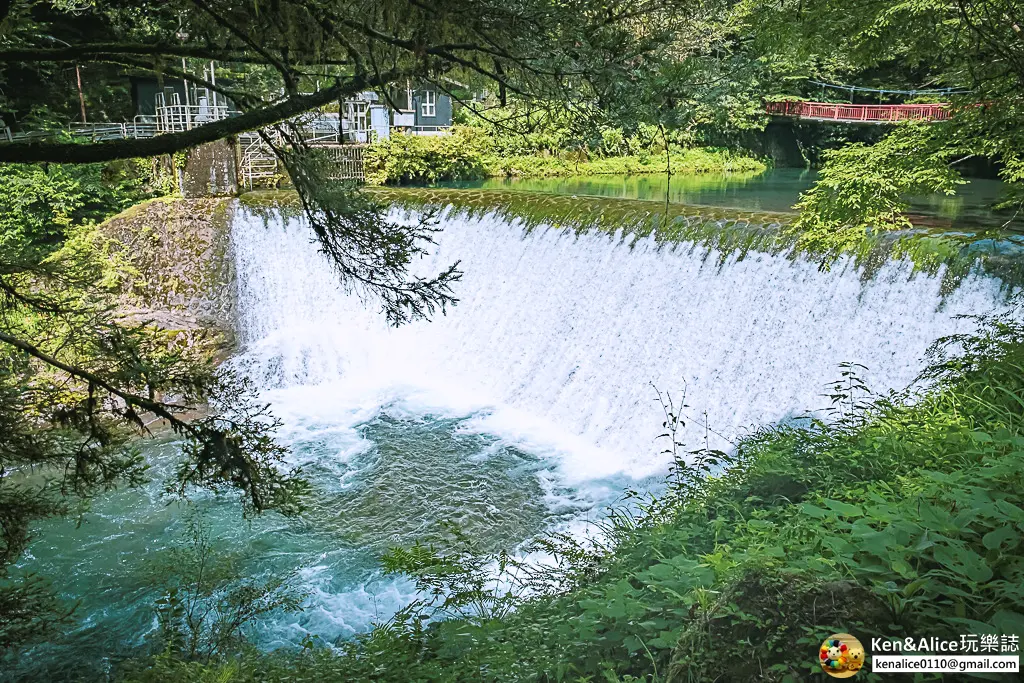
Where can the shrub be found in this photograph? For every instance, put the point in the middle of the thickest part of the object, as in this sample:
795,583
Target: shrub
402,159
470,153
40,202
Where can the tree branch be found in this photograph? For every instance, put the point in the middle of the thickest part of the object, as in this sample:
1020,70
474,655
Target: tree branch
282,68
130,399
100,51
74,153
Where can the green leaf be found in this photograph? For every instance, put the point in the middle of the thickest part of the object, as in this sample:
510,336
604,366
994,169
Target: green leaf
997,537
1009,622
813,511
844,509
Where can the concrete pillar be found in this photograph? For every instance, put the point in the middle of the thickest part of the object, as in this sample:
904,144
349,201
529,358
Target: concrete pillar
211,170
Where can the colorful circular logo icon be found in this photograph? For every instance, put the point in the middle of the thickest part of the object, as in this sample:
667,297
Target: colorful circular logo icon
841,655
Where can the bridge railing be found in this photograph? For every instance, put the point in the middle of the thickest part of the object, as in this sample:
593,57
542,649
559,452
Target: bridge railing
862,113
98,132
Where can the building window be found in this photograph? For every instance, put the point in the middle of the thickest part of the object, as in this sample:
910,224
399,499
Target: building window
356,114
429,106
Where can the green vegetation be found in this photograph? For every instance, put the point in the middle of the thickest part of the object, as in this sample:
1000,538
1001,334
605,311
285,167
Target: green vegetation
901,515
82,374
203,608
40,204
472,152
864,188
973,48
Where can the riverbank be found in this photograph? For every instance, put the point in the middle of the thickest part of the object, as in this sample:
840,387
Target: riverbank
470,154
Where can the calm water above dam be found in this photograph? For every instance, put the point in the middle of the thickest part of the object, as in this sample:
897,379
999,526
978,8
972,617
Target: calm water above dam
774,190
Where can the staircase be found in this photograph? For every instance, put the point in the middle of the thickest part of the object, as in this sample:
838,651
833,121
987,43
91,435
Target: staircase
257,160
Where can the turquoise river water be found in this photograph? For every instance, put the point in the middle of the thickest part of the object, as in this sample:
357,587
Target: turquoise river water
777,189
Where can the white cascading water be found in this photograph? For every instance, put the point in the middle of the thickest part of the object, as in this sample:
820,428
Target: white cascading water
557,338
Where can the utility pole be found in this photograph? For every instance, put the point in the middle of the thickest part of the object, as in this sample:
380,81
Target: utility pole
81,95
188,111
213,93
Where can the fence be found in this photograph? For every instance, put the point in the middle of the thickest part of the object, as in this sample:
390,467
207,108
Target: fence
348,162
257,160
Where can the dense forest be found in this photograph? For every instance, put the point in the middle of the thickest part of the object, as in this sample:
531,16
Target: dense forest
745,555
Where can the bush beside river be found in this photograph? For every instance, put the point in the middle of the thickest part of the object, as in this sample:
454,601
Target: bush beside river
470,153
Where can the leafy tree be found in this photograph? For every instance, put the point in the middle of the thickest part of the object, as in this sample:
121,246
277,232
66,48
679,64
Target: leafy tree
40,203
865,187
971,46
78,378
291,56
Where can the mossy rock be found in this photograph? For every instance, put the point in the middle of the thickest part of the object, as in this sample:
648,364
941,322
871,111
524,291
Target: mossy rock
169,257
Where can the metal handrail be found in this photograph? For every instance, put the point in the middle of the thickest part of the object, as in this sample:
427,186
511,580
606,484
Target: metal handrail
174,118
864,113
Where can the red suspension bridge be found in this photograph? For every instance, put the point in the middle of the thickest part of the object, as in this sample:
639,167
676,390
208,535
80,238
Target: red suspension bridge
860,113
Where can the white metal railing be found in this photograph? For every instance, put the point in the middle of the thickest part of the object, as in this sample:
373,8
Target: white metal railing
96,132
11,136
257,160
113,131
175,118
331,130
321,131
348,162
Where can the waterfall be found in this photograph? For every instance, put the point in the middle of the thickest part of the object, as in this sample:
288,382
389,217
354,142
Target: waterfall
525,409
558,337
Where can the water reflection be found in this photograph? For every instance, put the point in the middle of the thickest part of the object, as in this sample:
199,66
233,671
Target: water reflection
774,190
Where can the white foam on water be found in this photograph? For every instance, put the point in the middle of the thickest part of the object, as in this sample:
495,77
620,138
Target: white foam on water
557,338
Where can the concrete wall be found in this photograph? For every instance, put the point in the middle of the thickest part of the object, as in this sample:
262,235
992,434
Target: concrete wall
211,170
172,264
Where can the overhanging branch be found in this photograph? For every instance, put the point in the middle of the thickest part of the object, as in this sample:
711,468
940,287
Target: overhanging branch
159,409
101,52
75,153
